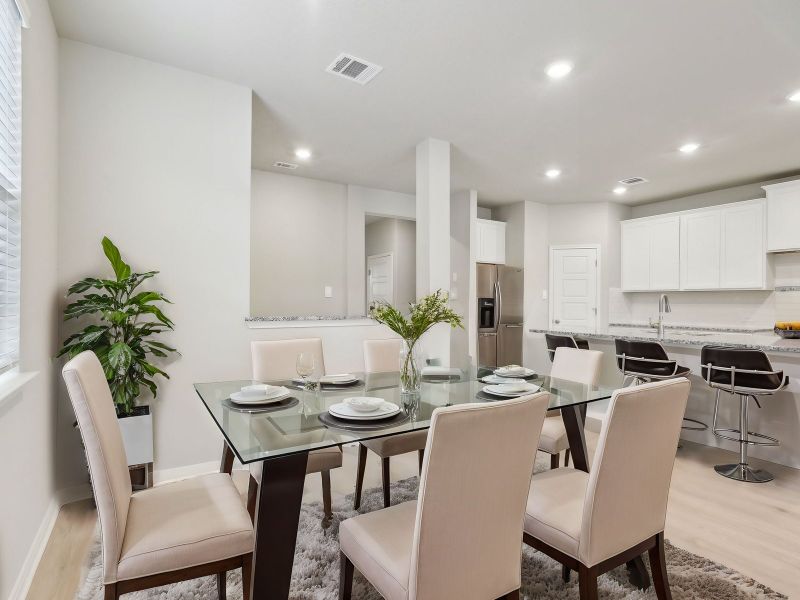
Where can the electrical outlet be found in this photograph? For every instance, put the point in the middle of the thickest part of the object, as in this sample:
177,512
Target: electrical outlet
328,291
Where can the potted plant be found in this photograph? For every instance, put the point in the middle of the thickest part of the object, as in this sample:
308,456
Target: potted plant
423,315
123,325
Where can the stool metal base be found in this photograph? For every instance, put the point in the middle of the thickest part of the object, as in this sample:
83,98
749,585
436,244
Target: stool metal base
740,472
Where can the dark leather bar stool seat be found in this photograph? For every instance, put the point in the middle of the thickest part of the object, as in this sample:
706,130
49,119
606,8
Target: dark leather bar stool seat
563,341
748,374
646,361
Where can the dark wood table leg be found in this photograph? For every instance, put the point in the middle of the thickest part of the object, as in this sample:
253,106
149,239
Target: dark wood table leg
573,422
277,516
574,419
226,464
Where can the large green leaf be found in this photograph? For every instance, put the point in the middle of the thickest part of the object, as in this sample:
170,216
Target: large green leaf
121,269
119,357
146,297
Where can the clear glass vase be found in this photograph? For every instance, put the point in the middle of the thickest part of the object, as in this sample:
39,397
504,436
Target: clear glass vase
410,378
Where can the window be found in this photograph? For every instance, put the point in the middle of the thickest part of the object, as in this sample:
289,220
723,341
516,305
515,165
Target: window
10,176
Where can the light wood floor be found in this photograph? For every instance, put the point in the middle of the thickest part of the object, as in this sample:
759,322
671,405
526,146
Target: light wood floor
752,528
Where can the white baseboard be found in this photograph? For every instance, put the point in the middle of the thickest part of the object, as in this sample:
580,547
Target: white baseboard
166,475
26,573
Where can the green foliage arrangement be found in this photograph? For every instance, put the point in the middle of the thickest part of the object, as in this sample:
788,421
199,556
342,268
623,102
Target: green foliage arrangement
426,313
122,339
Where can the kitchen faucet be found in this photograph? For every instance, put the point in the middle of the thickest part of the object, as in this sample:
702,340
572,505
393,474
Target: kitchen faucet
663,307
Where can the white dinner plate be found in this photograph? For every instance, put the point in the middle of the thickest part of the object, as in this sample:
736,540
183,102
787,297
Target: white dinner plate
495,379
526,373
280,393
342,379
344,411
495,390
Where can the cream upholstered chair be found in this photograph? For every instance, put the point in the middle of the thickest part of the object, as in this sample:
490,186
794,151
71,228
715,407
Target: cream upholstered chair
170,533
276,361
572,364
461,537
383,356
593,522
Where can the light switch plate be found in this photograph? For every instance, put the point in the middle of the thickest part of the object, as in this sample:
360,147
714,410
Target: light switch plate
328,291
544,294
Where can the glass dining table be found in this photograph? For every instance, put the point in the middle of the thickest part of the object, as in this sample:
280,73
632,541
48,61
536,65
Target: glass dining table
280,436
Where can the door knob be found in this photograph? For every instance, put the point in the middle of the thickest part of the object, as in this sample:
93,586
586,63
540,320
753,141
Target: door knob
557,321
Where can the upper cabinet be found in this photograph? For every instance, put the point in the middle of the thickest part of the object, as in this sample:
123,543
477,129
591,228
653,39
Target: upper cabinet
491,242
717,248
783,216
651,254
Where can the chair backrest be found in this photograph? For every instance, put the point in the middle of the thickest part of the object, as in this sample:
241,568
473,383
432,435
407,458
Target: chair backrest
655,360
382,356
472,496
626,497
276,360
105,453
554,342
730,366
573,364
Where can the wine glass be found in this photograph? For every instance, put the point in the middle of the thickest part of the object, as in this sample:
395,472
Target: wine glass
305,366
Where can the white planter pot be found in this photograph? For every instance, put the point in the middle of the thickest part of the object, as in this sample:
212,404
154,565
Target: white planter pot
137,437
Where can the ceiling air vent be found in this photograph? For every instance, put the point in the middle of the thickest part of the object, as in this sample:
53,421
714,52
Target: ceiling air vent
354,69
284,165
633,181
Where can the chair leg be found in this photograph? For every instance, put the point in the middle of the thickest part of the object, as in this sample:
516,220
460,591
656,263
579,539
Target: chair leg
386,482
362,465
587,582
326,494
247,575
221,591
510,596
566,458
554,458
345,577
565,573
421,453
111,591
658,565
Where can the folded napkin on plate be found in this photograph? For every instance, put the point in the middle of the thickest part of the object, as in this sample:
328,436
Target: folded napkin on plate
431,370
258,389
513,369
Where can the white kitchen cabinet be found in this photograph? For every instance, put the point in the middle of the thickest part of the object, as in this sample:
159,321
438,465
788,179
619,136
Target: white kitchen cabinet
743,262
701,248
783,216
651,254
491,242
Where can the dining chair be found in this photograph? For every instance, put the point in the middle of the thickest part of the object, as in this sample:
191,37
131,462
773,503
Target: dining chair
383,356
462,537
275,360
166,534
593,522
572,364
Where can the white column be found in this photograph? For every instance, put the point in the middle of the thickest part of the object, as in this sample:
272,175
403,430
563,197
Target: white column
433,234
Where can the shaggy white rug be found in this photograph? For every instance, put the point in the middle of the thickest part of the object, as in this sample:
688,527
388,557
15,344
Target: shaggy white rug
316,568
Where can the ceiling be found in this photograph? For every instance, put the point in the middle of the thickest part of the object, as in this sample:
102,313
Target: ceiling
648,77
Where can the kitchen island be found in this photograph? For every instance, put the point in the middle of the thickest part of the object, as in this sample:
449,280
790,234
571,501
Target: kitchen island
780,415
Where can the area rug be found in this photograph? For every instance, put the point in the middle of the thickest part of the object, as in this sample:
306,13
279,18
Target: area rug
315,575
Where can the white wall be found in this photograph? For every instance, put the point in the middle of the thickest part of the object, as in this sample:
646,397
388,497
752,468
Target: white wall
463,290
27,418
297,245
398,237
536,260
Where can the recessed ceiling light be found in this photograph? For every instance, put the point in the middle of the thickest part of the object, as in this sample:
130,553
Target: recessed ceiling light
552,173
303,153
794,97
689,148
559,69
620,190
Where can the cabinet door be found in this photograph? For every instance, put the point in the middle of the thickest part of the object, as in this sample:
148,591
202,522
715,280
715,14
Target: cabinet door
783,215
499,243
635,256
743,249
700,250
665,252
484,239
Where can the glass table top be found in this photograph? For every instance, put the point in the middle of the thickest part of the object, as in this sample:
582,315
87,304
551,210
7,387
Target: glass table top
257,433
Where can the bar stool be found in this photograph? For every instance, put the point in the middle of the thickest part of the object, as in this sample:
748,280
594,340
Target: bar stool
748,374
566,341
645,361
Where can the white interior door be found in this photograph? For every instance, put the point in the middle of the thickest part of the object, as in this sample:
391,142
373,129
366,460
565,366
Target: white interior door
380,279
573,288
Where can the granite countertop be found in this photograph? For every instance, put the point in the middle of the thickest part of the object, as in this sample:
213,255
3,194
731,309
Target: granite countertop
273,319
760,339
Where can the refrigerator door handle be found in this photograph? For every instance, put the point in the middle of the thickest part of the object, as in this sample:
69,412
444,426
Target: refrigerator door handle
499,302
513,326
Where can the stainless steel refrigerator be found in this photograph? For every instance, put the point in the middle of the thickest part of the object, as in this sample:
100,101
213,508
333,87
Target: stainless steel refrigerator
499,315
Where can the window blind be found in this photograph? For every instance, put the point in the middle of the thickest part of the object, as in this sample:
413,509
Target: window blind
10,176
